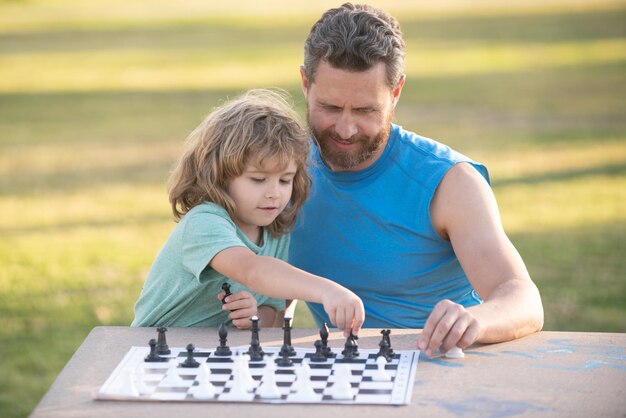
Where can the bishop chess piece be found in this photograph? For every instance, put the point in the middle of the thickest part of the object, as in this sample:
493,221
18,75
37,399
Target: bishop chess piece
162,347
287,347
324,340
190,362
154,357
223,349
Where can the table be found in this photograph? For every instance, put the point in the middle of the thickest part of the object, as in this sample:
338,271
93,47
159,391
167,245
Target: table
545,374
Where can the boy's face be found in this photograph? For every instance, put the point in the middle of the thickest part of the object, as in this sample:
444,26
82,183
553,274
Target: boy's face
260,194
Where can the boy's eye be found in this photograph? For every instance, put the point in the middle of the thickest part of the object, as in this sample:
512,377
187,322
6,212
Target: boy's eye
257,179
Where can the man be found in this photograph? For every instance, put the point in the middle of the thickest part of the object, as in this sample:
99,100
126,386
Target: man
409,225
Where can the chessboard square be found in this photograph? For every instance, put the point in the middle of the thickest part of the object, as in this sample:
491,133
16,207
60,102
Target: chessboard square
223,377
285,377
183,384
376,386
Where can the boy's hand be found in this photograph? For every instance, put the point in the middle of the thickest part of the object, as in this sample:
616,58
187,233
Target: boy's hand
242,306
345,310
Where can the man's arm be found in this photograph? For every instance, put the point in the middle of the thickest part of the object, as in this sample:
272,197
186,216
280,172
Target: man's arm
464,210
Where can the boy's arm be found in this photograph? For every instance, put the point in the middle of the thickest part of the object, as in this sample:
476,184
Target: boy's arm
275,278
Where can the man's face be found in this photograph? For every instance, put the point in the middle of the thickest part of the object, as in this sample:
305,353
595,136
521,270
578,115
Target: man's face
350,114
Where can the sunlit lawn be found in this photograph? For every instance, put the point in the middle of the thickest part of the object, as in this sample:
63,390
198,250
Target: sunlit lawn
94,106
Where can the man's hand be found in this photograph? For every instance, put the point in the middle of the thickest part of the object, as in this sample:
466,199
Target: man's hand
242,306
448,325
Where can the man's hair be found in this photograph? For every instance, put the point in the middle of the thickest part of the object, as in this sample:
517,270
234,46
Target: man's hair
258,126
355,37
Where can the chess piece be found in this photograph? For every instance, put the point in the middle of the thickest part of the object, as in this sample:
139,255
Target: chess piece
302,387
190,361
269,388
351,348
153,357
380,374
386,333
223,349
162,347
384,350
318,356
342,389
255,352
205,389
287,339
284,360
326,350
226,289
172,378
454,352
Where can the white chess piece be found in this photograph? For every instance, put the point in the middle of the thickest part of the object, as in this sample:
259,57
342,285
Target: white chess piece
454,352
205,389
342,389
172,378
142,388
380,374
128,387
268,388
302,386
240,385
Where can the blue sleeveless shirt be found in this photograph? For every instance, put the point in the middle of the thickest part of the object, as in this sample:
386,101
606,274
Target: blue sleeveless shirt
371,232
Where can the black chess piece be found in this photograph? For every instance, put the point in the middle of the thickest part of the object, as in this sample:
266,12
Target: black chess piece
287,347
351,348
255,351
284,360
226,289
153,357
326,350
162,347
190,361
318,356
386,333
384,350
223,349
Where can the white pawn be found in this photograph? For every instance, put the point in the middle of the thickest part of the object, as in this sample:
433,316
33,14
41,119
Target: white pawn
127,387
302,386
172,378
244,372
454,352
342,389
269,388
380,374
205,389
140,382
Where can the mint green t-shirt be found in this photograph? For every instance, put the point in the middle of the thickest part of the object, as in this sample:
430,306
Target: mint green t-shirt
181,288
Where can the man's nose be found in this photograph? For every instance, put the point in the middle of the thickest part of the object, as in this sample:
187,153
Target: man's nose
345,125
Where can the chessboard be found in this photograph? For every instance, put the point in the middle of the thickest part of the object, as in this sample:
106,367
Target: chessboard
195,374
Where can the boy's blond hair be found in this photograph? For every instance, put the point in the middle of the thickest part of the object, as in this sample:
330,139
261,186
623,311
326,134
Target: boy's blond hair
257,126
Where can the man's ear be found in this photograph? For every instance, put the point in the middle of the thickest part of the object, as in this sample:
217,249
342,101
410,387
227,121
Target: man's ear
398,90
305,81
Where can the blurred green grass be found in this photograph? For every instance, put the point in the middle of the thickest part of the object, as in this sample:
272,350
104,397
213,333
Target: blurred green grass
94,105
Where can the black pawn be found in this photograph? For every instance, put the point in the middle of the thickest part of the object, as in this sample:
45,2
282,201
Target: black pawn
287,347
284,361
162,347
190,361
226,289
386,333
351,348
326,350
223,349
319,356
153,357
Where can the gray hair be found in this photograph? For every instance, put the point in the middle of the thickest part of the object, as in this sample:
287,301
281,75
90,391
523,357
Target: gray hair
355,38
